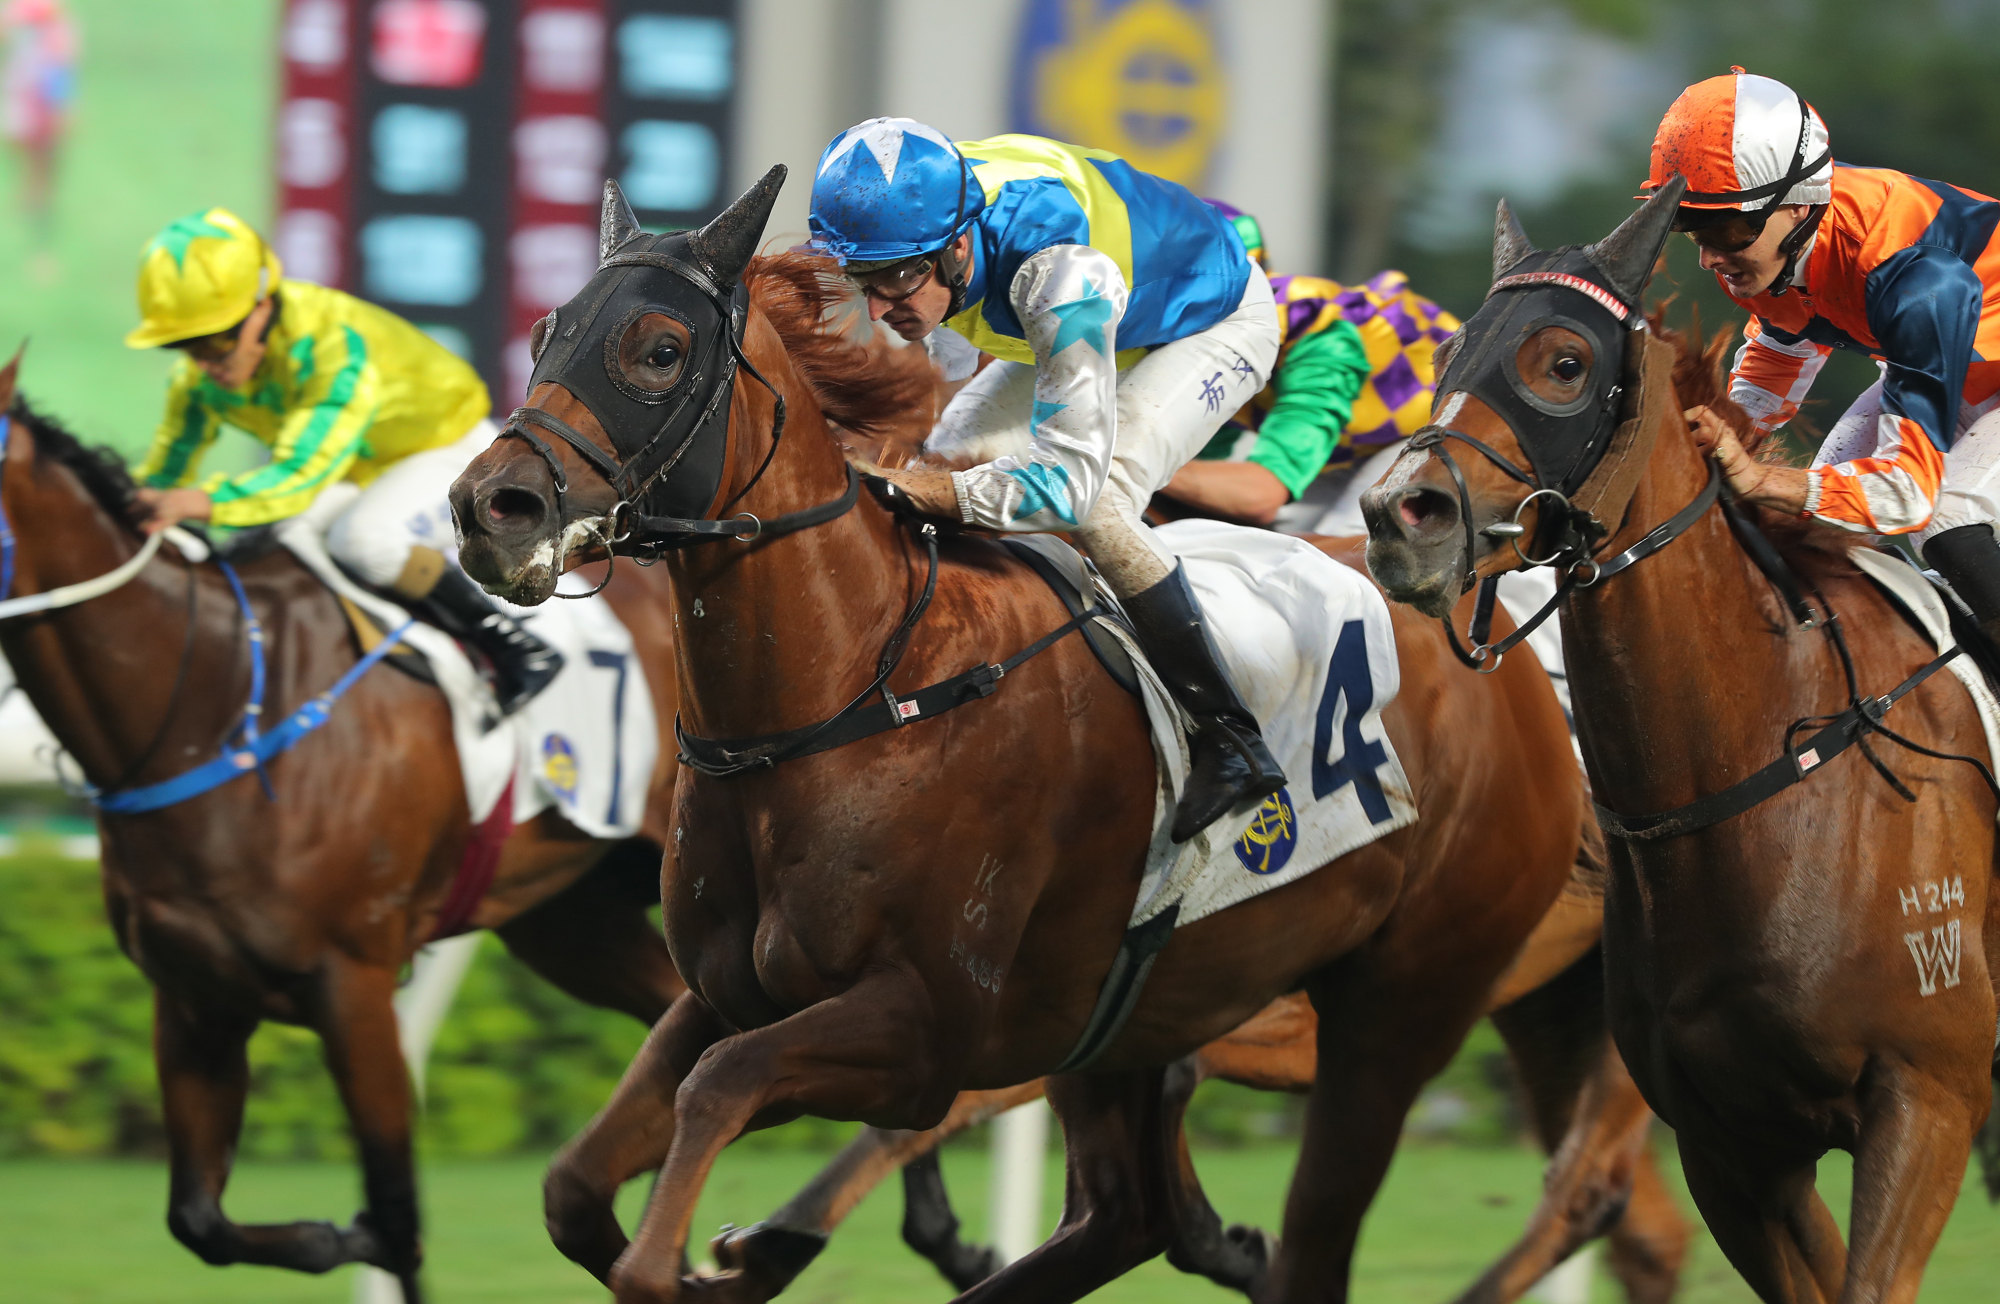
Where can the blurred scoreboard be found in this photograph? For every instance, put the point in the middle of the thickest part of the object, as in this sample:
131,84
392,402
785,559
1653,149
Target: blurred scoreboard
444,158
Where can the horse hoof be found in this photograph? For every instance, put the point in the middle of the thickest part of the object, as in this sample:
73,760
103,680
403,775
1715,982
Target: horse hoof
1255,1248
771,1256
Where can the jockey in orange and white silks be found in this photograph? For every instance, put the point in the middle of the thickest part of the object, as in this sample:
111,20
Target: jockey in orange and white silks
1828,256
1129,324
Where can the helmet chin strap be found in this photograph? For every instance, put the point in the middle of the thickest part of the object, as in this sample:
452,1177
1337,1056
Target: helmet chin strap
957,271
1792,246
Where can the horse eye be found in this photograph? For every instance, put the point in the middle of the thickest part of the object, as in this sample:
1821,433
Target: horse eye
663,357
538,337
1567,369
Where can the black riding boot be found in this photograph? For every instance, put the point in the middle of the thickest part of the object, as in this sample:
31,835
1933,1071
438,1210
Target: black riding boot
523,665
1969,559
1231,764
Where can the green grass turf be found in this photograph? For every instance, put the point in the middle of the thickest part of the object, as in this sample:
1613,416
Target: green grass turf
93,1232
174,111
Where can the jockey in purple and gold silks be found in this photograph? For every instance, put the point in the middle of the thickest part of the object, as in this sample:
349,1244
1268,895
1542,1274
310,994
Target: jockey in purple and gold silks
1354,373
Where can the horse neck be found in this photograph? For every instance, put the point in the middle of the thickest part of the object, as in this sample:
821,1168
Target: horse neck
101,673
1684,666
784,631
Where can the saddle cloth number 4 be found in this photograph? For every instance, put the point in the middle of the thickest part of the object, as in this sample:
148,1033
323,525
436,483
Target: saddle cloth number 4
1358,758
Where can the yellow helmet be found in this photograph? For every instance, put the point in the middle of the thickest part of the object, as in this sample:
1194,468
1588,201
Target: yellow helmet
201,275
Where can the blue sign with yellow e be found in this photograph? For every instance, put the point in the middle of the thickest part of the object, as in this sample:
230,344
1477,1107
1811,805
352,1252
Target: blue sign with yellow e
1142,78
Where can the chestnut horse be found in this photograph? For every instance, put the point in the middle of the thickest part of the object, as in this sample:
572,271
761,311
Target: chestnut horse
1771,976
301,907
868,930
1583,1107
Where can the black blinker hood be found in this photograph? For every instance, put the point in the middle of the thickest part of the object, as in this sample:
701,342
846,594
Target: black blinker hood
670,445
1593,290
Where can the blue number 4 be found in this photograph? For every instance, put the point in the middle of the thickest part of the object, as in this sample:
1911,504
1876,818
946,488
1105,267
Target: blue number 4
1359,757
616,661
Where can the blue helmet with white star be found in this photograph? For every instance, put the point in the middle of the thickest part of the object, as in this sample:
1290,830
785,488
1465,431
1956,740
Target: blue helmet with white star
891,188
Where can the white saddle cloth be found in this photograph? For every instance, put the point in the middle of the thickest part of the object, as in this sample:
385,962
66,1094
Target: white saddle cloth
586,744
1907,587
1309,644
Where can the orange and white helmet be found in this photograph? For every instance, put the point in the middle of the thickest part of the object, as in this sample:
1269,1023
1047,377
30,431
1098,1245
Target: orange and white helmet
1743,142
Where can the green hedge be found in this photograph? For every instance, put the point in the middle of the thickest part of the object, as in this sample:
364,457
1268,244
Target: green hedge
518,1066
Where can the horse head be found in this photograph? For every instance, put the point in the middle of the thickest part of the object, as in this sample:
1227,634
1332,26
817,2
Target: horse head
628,405
1549,382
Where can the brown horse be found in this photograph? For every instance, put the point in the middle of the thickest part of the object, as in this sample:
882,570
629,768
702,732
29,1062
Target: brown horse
301,908
1760,966
1583,1107
867,931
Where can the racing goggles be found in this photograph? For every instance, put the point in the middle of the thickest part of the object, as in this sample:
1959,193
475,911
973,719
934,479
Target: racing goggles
893,282
1722,231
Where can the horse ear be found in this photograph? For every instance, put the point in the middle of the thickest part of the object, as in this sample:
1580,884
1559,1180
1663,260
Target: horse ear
1627,255
618,224
1510,242
9,374
728,242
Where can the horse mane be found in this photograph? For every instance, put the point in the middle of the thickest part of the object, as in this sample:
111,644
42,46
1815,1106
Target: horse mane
1701,379
101,471
865,386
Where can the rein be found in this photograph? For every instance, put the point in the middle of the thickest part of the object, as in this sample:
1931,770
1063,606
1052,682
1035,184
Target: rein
245,747
860,718
1832,734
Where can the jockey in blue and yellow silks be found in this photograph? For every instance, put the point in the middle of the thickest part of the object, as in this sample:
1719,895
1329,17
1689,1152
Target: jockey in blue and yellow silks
345,393
1129,323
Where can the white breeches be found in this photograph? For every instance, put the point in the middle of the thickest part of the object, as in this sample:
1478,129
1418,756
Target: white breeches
1970,494
372,531
1170,404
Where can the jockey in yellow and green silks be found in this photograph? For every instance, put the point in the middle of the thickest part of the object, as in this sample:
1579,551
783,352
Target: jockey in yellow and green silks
349,397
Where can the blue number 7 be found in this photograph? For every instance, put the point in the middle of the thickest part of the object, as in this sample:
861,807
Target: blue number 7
617,661
1347,677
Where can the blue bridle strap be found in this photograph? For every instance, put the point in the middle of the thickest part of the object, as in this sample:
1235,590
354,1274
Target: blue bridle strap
252,747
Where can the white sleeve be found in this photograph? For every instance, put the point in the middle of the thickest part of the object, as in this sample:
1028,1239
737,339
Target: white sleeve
1070,299
955,357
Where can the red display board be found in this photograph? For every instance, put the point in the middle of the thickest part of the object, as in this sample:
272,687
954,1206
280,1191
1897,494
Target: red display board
444,157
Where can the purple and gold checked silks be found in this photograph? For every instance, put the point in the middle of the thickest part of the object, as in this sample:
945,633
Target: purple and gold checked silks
1399,330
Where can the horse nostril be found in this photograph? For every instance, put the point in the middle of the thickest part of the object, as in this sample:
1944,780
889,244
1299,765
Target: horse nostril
510,506
1422,508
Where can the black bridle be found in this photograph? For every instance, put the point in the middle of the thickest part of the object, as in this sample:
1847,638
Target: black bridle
1481,364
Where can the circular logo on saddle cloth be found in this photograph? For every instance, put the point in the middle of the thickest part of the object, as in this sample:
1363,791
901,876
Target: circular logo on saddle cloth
1274,830
559,765
1141,78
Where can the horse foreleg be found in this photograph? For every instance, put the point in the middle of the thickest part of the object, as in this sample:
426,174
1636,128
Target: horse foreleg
862,1054
776,1250
1115,1215
1770,1224
204,1076
1237,1257
1381,1037
629,1136
365,1056
596,941
1649,1244
1916,1138
1587,1113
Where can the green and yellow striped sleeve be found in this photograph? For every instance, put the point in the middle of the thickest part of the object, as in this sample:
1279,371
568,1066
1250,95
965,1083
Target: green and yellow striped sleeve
185,433
320,438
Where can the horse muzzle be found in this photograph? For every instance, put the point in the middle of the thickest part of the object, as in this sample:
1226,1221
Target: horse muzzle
508,537
1415,545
